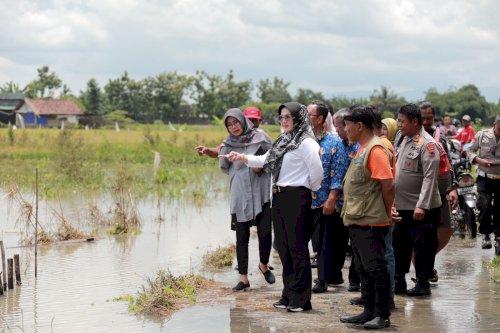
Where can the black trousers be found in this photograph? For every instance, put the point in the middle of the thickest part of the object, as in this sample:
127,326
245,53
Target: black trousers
263,222
334,247
353,274
489,213
419,236
369,256
291,213
318,223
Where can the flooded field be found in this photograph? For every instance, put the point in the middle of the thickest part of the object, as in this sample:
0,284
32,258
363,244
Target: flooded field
77,283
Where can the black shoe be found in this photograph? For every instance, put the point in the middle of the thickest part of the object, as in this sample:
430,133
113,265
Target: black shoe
357,301
281,304
400,286
353,287
320,287
268,275
303,308
361,318
377,323
314,262
419,290
486,242
336,282
435,276
242,286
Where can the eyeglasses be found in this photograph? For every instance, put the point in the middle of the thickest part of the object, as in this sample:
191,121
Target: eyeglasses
233,124
284,118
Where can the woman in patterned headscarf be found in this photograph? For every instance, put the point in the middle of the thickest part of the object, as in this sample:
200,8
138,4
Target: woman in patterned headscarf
249,193
296,169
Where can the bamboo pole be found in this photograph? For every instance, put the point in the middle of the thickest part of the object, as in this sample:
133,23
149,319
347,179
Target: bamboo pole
36,223
10,275
3,266
18,269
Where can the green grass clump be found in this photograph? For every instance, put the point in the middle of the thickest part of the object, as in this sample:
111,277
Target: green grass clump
494,268
220,257
165,293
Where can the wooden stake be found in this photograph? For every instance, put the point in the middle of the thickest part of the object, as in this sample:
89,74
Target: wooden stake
3,266
1,285
18,269
10,275
36,223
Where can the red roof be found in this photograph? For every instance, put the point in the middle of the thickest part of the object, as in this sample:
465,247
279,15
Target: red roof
59,107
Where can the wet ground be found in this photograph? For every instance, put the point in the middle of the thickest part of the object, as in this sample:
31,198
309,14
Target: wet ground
77,282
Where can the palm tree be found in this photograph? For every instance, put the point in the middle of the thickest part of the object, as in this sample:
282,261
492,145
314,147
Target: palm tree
387,100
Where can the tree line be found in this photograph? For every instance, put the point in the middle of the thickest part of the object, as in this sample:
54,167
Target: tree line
170,96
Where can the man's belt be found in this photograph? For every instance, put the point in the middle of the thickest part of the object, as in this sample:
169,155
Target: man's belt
487,175
281,189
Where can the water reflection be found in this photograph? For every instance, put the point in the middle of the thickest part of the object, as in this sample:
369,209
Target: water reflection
77,283
243,321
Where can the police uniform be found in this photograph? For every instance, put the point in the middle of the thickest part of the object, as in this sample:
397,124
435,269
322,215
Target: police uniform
487,181
445,182
416,186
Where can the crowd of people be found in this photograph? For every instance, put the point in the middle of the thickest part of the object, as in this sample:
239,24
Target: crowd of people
352,181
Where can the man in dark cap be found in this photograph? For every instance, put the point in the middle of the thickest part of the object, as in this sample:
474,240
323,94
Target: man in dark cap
367,211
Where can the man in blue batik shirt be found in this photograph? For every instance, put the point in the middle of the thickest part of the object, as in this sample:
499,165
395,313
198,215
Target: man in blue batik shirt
336,155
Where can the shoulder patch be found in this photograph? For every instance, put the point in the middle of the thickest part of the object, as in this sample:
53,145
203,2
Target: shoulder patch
430,147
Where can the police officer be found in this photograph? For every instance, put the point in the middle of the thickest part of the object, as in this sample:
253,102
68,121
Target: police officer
446,182
417,201
488,182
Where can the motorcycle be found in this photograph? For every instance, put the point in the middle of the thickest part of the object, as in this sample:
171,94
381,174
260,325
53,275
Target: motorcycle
464,216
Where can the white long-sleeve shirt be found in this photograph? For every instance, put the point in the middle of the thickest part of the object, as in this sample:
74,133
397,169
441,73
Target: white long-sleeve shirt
300,167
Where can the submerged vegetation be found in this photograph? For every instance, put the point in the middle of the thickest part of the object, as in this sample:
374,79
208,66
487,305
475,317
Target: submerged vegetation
63,230
154,162
125,213
220,257
166,293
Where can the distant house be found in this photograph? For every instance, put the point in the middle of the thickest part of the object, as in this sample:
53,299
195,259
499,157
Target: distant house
48,112
9,104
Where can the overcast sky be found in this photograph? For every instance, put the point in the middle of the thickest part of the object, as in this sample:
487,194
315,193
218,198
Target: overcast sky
337,47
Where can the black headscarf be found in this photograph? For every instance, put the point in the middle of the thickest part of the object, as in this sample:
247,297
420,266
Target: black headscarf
289,141
249,136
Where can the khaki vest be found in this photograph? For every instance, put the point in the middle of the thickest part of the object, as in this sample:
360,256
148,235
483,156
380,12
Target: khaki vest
363,201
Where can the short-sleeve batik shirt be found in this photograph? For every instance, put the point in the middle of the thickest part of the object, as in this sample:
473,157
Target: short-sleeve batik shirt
336,155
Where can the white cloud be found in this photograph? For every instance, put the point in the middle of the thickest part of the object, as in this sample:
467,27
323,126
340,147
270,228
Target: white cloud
348,47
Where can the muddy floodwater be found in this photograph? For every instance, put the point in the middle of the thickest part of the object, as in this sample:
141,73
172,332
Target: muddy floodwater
77,283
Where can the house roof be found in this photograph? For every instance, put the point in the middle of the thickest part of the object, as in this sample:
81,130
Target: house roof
11,96
54,107
10,102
